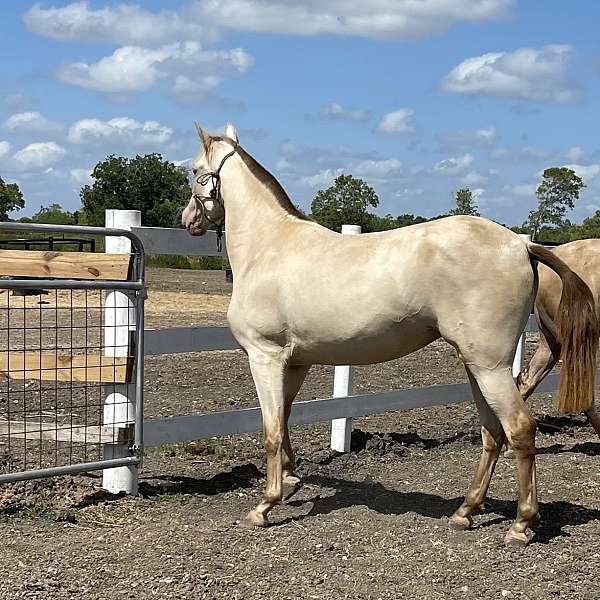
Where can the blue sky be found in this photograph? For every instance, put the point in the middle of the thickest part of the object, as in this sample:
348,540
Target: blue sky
417,97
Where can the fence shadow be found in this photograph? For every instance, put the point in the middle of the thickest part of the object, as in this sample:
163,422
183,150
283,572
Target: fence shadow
241,476
587,448
555,515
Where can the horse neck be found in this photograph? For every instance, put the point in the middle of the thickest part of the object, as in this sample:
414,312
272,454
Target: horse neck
253,215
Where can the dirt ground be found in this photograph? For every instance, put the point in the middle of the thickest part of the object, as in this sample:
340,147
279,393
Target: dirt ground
371,524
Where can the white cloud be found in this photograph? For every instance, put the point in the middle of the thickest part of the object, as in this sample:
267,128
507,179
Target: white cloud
454,165
321,179
481,138
520,155
473,178
81,176
586,172
337,111
39,156
119,23
186,65
574,154
525,74
388,19
31,122
128,69
121,129
486,134
378,169
521,189
398,122
409,192
4,149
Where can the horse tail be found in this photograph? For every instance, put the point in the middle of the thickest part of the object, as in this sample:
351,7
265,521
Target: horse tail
577,331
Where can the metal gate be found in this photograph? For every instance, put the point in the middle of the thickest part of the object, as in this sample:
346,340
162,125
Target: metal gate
71,355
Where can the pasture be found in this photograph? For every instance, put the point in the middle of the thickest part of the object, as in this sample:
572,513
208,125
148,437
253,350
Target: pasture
367,525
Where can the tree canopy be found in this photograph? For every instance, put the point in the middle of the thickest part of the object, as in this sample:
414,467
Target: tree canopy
465,203
345,202
11,199
54,215
150,184
558,191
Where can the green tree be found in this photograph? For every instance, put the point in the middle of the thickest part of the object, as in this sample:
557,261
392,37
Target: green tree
377,223
409,219
557,193
465,203
590,228
55,215
150,184
345,202
11,199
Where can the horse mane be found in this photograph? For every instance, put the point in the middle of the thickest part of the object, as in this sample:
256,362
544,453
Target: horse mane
269,182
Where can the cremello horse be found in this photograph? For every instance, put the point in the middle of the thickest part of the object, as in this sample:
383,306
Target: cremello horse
305,295
583,257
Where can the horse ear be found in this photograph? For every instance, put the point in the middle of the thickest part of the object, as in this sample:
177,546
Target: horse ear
204,137
231,133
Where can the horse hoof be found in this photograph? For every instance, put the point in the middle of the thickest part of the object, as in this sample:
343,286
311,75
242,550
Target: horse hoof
518,540
459,523
254,519
291,485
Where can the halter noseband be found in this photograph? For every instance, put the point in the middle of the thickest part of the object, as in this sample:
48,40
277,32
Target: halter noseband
214,195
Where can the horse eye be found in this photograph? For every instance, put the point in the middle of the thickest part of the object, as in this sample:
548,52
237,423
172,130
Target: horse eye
195,171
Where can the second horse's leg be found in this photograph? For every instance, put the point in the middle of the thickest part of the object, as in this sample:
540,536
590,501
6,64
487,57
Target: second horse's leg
542,362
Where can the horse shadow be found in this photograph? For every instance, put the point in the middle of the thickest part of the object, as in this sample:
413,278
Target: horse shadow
555,515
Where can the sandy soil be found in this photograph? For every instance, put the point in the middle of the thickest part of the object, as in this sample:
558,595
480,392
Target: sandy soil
367,525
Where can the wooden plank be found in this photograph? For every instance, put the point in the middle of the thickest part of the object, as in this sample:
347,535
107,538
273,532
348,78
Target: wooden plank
163,240
60,432
65,265
176,340
50,366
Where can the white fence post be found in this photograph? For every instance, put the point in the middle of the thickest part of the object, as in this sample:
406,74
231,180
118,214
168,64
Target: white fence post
520,349
343,385
119,320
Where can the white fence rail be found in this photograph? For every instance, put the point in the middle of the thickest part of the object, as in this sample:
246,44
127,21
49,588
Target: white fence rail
206,339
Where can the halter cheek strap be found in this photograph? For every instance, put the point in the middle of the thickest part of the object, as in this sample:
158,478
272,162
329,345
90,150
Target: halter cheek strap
214,195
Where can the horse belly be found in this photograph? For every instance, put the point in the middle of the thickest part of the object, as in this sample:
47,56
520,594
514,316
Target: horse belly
379,343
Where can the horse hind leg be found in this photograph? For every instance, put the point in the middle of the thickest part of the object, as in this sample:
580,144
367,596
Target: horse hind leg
502,396
294,378
492,437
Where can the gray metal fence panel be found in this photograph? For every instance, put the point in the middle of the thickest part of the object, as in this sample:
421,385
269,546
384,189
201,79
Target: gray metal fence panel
59,367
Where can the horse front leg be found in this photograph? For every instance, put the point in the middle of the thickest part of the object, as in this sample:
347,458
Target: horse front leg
269,374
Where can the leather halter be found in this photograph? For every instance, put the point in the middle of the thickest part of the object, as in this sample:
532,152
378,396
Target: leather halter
214,195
